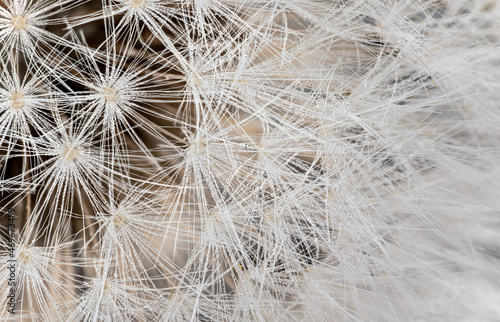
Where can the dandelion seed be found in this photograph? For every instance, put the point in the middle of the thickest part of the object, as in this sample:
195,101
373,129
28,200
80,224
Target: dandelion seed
109,94
137,3
22,25
119,220
19,22
17,101
70,153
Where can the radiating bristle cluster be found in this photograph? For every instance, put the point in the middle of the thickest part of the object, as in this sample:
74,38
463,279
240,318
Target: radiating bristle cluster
299,160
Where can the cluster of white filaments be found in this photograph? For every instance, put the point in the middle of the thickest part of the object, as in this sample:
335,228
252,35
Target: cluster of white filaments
222,160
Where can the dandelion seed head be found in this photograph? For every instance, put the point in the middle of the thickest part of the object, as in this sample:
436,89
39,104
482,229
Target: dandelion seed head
249,159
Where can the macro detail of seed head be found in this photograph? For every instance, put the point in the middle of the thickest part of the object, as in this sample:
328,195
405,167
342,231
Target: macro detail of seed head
249,160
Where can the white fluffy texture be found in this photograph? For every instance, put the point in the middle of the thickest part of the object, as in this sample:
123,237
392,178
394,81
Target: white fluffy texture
251,160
